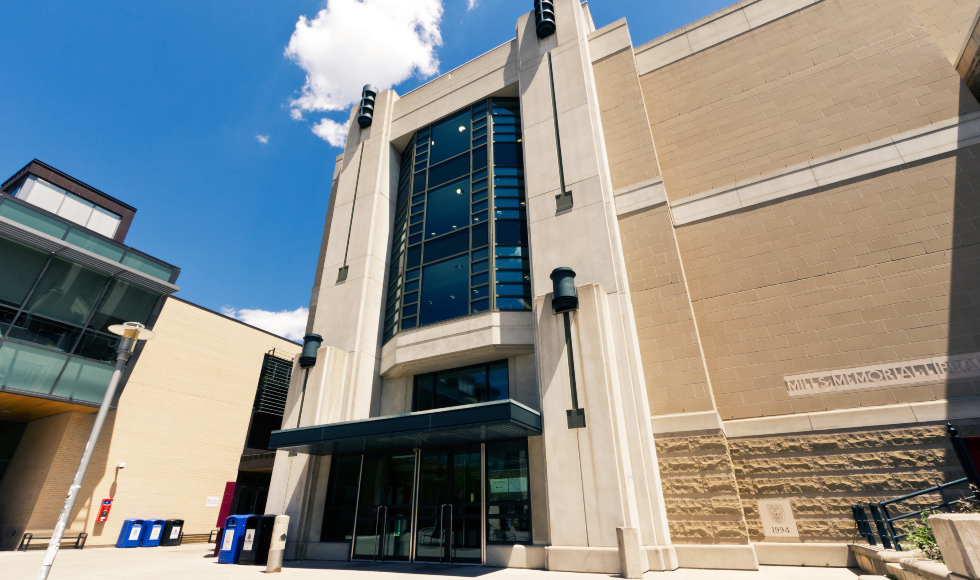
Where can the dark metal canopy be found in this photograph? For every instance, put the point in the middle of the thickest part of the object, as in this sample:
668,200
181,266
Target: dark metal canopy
477,423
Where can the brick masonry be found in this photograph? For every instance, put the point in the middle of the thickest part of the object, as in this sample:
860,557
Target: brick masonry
845,73
824,474
675,376
700,490
629,144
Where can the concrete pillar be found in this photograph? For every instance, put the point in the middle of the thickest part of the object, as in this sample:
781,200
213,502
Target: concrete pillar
605,476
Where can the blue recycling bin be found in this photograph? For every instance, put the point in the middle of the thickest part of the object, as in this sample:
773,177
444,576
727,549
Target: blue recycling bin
151,533
233,539
129,535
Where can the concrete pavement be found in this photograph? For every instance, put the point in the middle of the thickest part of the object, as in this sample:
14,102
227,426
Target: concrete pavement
189,563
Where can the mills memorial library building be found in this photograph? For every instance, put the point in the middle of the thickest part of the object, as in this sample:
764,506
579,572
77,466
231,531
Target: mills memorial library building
685,301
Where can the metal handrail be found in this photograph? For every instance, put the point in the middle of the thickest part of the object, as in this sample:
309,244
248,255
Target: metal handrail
884,521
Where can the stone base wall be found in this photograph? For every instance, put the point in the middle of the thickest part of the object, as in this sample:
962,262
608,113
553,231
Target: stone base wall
700,490
824,474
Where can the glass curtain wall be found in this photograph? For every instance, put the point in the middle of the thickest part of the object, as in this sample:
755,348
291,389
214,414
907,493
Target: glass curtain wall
460,241
54,319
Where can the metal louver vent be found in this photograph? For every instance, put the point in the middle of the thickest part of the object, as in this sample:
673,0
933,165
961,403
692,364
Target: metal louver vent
270,397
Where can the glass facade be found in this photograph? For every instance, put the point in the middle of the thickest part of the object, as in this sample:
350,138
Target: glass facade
438,494
23,214
462,386
460,240
54,319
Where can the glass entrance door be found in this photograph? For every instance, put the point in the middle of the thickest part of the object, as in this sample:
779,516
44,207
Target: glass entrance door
383,529
450,500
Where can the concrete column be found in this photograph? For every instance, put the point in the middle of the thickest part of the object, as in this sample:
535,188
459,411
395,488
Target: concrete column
345,383
605,476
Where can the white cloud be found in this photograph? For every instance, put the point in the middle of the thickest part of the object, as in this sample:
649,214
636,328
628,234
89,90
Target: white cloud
290,324
351,43
296,114
331,131
470,4
263,139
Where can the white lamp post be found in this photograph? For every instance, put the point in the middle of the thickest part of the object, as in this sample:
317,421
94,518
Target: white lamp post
130,333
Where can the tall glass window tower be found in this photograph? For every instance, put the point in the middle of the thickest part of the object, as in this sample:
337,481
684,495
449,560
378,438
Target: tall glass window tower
460,239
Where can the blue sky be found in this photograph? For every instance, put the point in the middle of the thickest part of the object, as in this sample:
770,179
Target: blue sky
161,103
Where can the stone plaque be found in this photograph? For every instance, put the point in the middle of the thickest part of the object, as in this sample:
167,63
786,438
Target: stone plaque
777,518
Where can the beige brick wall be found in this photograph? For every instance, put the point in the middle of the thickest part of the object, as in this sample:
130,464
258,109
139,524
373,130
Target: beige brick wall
830,77
856,274
947,22
700,490
626,132
180,427
672,365
823,475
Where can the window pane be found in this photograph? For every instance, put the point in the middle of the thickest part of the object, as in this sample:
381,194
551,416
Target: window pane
511,276
479,158
480,292
414,257
498,381
513,304
32,328
508,529
445,246
32,219
412,286
84,380
450,137
95,244
513,263
510,251
481,279
444,289
460,387
481,305
98,346
418,184
28,368
124,302
67,292
513,289
148,266
508,233
6,317
20,266
449,170
448,208
508,154
507,471
480,235
423,392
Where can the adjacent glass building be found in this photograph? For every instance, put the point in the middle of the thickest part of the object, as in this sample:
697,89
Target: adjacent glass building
63,285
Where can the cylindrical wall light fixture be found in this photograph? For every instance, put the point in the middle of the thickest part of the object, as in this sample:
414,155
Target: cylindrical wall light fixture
544,18
311,343
564,300
565,297
366,114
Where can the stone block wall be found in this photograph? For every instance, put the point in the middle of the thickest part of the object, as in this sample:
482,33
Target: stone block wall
700,490
824,474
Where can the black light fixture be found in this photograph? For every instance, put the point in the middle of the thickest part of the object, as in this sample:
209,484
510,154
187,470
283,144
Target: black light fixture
544,18
366,113
307,360
564,299
311,343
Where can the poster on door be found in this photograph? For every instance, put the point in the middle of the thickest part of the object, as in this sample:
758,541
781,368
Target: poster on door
499,485
134,534
249,536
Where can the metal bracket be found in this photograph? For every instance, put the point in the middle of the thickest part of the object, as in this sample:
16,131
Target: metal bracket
342,274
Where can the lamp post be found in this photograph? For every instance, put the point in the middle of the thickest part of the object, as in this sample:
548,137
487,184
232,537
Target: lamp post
130,333
564,300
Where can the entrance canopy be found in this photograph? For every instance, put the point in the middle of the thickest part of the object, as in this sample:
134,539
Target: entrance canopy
492,421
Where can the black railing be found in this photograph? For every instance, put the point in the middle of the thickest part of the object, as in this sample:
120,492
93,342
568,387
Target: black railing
884,519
